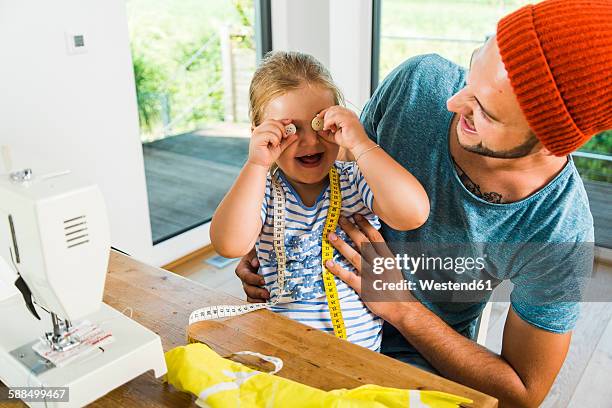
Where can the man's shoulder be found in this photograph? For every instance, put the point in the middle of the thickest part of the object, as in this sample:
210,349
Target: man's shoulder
419,84
430,68
407,115
428,63
564,209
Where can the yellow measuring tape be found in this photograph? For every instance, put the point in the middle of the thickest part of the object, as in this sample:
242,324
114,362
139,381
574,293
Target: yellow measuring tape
327,250
327,253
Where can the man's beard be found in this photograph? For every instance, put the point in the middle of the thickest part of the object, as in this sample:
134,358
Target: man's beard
517,152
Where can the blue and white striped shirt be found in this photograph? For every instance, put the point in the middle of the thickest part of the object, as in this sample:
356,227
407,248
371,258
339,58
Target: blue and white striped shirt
304,298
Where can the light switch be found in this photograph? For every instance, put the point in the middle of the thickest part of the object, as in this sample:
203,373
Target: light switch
76,43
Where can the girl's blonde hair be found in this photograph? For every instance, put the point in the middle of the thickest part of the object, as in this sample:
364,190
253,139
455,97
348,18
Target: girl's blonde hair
284,71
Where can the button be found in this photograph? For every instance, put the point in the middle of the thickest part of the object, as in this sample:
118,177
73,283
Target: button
317,124
290,129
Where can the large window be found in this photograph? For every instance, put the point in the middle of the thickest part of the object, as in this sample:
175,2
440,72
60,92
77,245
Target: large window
453,28
193,61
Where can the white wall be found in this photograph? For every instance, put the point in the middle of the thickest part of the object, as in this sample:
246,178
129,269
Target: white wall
7,278
301,25
336,32
350,48
76,111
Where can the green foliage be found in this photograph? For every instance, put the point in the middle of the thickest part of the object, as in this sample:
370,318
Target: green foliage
245,8
246,38
165,35
602,143
593,169
198,79
426,23
148,76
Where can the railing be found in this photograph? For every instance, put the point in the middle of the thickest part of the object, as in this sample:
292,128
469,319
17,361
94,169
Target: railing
190,61
164,95
596,156
167,129
436,39
589,169
230,69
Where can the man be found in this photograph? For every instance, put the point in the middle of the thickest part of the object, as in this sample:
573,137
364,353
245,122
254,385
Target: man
491,148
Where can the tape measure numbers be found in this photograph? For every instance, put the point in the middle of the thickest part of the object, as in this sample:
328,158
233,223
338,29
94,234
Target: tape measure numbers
327,253
221,311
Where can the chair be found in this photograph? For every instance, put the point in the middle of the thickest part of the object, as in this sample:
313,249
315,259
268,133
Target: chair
482,325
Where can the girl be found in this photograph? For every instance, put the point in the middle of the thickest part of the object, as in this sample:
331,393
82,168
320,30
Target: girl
291,95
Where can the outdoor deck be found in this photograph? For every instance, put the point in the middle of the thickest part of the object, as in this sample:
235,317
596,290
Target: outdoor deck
188,175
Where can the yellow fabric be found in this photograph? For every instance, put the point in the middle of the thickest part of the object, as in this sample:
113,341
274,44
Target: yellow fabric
219,382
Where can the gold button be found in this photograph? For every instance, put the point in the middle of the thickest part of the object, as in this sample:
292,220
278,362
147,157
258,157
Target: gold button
317,124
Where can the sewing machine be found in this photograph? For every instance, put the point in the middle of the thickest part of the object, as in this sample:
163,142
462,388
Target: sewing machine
54,238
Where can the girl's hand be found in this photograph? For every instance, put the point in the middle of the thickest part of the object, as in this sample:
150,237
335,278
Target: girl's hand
342,126
268,141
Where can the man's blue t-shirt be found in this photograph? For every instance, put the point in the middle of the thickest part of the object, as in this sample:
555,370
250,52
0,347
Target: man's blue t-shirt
408,118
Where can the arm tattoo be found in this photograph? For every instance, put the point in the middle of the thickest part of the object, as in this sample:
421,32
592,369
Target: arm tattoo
491,197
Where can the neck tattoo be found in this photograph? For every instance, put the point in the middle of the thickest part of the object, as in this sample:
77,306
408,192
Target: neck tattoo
491,197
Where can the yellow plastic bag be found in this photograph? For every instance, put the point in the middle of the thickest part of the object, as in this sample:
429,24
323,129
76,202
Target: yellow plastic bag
219,382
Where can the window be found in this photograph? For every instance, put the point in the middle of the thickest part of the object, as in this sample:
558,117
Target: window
193,62
453,28
450,28
594,162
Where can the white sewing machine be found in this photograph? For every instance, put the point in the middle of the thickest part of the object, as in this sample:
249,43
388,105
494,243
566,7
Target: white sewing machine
54,237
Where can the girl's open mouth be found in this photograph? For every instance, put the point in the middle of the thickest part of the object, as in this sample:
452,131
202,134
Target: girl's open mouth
310,160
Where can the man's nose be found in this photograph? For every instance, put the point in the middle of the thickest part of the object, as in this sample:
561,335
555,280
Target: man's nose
458,103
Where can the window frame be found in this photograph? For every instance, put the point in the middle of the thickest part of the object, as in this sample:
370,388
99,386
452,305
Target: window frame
263,44
263,28
376,33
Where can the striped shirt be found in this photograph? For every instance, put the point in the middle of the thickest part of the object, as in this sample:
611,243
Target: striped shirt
304,298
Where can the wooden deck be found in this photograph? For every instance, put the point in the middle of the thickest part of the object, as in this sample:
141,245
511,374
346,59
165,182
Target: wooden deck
188,175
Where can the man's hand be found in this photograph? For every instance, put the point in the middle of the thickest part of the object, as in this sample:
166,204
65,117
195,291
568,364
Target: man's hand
252,283
391,306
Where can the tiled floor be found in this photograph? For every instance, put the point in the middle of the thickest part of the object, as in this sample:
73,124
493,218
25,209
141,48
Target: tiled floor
585,379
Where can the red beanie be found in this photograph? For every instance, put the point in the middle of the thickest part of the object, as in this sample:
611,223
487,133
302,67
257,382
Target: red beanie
558,54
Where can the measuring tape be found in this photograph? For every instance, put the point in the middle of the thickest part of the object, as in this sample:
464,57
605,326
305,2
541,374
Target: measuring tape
327,253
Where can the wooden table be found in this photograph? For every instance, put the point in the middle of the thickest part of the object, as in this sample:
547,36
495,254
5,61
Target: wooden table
162,301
